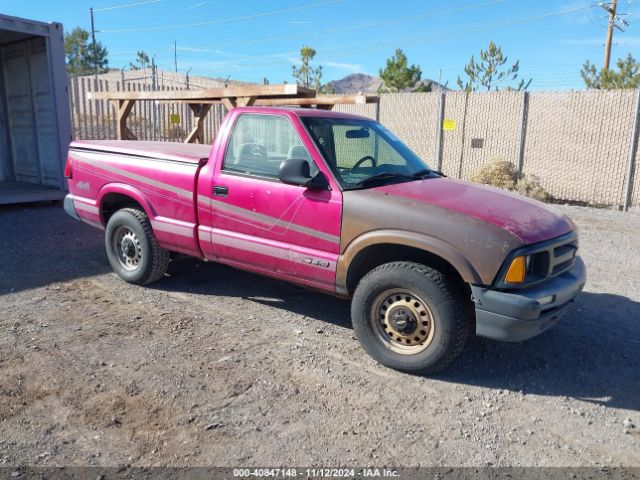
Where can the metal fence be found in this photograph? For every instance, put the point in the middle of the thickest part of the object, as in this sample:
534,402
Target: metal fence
583,146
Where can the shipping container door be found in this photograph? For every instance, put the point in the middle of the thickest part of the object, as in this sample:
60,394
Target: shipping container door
5,164
44,112
20,113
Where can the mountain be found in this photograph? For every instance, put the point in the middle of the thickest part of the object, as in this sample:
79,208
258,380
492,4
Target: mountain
361,82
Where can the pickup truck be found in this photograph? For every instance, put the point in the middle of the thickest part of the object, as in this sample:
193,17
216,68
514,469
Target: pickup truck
337,203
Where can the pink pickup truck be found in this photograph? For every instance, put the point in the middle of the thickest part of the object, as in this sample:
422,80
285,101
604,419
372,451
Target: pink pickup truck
337,203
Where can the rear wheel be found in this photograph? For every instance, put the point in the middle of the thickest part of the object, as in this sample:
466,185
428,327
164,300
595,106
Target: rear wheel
132,249
409,317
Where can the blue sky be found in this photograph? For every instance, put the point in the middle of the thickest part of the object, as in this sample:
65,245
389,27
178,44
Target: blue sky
248,40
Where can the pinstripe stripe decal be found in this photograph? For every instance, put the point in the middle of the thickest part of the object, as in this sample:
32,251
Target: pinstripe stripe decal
269,251
85,207
163,226
273,222
85,157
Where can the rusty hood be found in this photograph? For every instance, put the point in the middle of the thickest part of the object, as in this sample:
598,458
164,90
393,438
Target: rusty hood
477,223
528,220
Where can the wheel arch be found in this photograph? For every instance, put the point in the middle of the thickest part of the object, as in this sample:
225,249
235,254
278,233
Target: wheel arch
115,196
376,248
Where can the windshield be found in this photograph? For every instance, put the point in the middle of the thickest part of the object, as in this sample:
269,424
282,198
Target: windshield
363,153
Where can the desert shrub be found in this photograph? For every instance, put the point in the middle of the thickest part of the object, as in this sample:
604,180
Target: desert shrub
498,173
530,186
503,174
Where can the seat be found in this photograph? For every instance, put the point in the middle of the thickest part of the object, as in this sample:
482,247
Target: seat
252,158
299,152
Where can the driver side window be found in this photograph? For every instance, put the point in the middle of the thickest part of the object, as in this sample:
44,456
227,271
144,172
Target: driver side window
260,143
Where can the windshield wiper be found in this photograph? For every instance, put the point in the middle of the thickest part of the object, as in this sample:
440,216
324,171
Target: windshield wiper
381,176
426,171
389,175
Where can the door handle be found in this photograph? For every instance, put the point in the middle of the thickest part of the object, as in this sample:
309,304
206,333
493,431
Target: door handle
220,191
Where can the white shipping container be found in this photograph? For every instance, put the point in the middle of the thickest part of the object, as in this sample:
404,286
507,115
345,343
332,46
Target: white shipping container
34,111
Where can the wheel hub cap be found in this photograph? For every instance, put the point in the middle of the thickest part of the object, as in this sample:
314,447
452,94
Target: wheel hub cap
127,248
402,321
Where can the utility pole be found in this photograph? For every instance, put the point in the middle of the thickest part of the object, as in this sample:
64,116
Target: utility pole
154,78
175,55
95,51
612,23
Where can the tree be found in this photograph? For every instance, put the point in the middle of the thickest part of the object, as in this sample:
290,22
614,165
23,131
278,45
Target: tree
305,74
398,76
141,62
627,76
491,71
80,55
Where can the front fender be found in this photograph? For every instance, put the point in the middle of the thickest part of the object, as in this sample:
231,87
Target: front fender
419,241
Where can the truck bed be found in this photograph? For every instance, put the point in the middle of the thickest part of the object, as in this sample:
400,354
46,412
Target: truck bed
160,176
175,151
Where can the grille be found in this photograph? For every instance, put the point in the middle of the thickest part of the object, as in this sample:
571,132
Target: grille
564,256
547,259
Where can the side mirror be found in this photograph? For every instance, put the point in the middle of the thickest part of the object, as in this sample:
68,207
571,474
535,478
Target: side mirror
295,171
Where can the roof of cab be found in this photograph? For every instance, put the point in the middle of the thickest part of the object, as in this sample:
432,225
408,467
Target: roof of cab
301,112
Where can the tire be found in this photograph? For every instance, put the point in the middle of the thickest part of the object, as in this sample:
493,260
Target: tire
409,317
132,248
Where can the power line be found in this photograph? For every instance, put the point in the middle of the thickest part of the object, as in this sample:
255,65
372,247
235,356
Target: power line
223,20
477,28
351,27
125,5
440,36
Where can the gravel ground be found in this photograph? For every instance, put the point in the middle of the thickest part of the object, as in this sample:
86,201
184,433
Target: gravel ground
213,366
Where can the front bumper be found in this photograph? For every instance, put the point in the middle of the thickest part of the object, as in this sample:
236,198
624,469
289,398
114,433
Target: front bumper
518,315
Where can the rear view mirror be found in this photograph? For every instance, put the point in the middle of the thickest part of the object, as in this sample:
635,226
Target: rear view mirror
295,171
357,133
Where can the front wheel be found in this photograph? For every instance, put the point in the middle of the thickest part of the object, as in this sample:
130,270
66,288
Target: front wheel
132,249
409,317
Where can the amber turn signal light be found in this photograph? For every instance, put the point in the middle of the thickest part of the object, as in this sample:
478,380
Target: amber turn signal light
517,271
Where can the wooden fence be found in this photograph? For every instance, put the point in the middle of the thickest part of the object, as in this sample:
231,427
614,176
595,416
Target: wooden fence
96,119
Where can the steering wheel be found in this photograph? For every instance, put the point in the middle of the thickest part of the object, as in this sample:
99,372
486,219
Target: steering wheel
364,159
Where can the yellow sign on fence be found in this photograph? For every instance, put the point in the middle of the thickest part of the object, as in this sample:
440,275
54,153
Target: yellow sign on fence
174,118
448,125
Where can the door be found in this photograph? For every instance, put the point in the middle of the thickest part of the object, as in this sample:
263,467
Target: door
17,84
262,224
44,113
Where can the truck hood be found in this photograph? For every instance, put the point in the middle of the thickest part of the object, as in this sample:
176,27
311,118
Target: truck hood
528,220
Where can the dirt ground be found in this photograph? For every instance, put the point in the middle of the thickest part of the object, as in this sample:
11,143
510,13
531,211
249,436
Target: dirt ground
213,366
